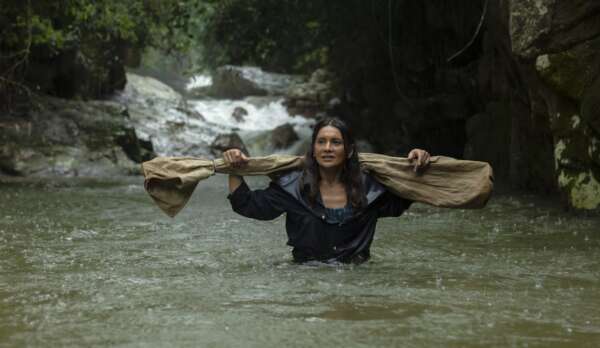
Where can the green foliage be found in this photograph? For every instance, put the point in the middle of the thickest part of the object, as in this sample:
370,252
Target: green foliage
34,33
166,24
279,35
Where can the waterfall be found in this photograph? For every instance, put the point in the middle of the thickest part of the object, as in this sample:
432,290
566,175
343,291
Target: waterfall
179,127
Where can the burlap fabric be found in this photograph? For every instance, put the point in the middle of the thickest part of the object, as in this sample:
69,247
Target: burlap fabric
447,182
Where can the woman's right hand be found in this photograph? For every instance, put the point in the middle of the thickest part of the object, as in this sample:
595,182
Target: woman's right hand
235,157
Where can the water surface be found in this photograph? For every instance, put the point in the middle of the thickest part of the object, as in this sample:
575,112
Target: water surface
95,263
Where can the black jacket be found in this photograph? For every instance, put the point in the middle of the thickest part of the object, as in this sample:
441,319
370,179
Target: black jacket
309,233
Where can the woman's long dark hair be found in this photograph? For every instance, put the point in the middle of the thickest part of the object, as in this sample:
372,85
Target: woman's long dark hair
351,175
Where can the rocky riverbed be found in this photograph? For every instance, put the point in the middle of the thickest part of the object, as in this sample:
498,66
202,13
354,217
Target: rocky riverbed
60,137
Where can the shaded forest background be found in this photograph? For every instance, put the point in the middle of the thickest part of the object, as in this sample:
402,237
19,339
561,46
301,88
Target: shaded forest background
514,83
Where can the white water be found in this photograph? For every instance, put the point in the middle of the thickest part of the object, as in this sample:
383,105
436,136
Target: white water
158,117
264,115
198,81
268,114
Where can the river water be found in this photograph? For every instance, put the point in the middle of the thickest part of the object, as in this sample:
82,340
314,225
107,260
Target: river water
95,263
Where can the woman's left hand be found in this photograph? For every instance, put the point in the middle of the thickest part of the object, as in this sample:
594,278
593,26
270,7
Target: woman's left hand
420,158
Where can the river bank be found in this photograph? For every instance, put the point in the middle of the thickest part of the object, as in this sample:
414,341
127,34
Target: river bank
102,138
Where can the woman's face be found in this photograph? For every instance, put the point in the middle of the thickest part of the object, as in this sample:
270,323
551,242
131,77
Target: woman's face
329,148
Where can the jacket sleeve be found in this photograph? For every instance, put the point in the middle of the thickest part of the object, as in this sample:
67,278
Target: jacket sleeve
266,204
392,205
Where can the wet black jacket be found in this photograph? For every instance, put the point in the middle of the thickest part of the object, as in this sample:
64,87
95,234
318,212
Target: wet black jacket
309,233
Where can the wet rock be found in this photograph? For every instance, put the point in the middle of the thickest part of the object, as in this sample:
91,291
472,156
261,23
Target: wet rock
236,82
146,150
150,91
161,117
576,154
309,98
225,142
71,138
320,76
541,88
570,72
191,113
283,136
560,40
546,26
239,113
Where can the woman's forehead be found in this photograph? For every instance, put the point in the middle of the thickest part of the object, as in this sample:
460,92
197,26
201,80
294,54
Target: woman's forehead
329,132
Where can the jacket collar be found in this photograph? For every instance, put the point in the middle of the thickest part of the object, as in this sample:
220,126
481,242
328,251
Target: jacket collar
290,183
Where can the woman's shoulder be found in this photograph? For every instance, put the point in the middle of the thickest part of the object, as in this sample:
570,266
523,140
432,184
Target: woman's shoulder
373,189
287,178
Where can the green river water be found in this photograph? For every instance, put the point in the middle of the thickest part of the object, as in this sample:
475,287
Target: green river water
96,263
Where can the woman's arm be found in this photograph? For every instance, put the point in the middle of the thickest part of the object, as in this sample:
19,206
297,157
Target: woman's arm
264,204
234,182
237,159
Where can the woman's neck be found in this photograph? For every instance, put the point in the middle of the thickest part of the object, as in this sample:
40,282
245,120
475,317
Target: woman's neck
330,176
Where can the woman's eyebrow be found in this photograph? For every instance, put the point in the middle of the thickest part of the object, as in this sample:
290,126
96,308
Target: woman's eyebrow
333,137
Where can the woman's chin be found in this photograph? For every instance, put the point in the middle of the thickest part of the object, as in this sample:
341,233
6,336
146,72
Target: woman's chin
330,164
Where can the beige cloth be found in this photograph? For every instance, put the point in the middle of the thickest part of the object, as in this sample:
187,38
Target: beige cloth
447,182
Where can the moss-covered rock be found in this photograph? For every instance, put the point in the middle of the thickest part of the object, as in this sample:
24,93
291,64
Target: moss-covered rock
529,21
577,159
546,26
581,187
570,87
572,71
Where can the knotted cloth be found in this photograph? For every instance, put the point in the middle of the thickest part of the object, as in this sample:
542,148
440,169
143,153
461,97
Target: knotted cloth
446,182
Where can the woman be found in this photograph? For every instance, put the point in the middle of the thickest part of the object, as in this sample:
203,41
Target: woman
331,206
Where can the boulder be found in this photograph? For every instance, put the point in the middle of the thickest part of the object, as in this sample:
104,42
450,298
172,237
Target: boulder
71,138
161,117
239,113
576,154
312,97
225,142
548,26
554,46
236,82
558,42
570,72
191,113
148,90
283,136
